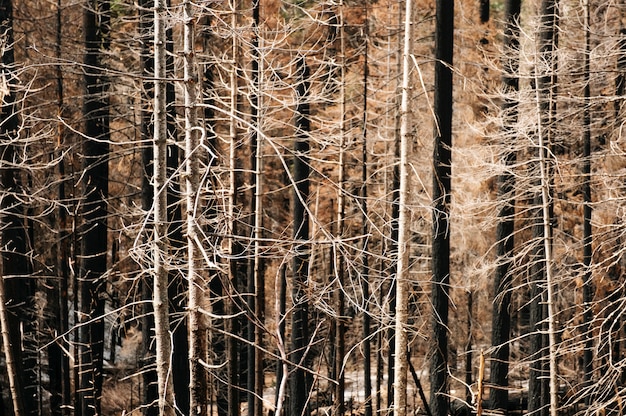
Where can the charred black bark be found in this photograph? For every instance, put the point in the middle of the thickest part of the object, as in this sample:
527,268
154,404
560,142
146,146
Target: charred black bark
501,319
442,158
547,87
149,388
483,11
299,386
94,238
365,284
588,289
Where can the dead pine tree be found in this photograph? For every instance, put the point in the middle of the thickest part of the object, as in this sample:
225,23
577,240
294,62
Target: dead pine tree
58,319
149,391
501,319
93,239
237,265
338,251
543,394
298,384
193,136
401,358
256,278
442,160
365,284
588,290
160,300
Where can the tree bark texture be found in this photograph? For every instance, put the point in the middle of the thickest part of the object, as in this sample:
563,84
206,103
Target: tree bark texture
256,277
395,214
217,285
339,262
193,135
402,271
94,238
544,362
161,244
483,11
505,243
149,387
58,321
365,284
442,159
299,388
178,284
237,264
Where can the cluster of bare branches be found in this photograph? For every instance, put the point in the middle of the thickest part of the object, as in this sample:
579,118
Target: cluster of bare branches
257,206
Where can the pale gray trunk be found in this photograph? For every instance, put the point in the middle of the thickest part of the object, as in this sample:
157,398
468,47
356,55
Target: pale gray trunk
160,299
544,169
197,379
259,279
402,276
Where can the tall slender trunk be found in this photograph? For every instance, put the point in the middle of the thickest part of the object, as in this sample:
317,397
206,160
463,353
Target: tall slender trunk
340,342
254,117
365,284
587,231
59,369
259,282
218,285
256,280
546,200
401,358
178,284
161,244
395,214
197,347
149,389
237,263
94,239
299,388
501,319
542,307
442,159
